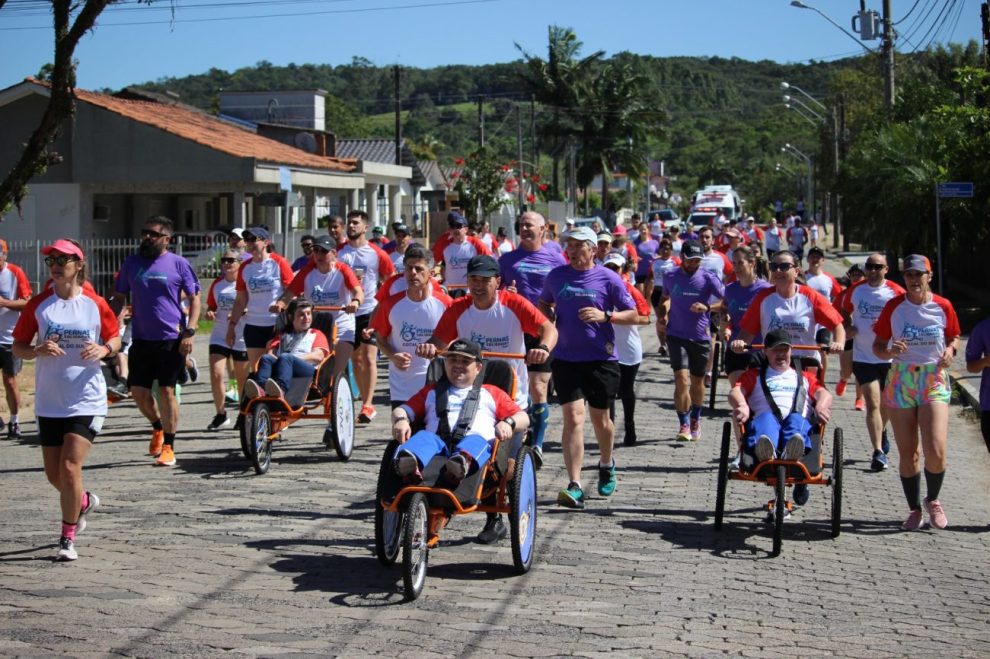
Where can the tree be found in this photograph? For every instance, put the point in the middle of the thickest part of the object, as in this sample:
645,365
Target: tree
481,183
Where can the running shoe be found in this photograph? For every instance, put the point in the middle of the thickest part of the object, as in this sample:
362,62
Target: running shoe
167,458
840,388
708,381
273,389
66,550
117,392
92,504
155,446
884,442
193,368
219,422
764,449
232,397
663,350
936,515
914,521
2,424
736,462
253,390
801,494
630,439
769,518
13,430
494,531
879,461
794,448
606,480
860,404
695,429
684,434
571,496
456,468
367,414
407,467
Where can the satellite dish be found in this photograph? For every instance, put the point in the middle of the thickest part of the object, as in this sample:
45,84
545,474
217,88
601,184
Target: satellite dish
306,142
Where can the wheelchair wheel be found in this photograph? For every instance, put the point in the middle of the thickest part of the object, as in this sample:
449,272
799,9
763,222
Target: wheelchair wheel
415,553
259,424
341,427
837,483
779,508
723,474
388,525
522,515
715,370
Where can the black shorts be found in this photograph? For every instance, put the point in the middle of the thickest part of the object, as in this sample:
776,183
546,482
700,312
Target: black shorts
531,342
361,324
224,351
656,296
9,364
866,373
690,355
847,346
640,279
52,430
258,336
596,382
736,362
155,360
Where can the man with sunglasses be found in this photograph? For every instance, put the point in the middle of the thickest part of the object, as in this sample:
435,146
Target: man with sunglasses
306,243
453,250
861,308
155,279
15,291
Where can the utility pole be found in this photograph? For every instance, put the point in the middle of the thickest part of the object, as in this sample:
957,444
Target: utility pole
398,119
842,154
519,146
532,132
888,56
836,136
985,22
481,122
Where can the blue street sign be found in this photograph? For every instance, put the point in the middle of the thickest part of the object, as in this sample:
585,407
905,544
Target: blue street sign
955,190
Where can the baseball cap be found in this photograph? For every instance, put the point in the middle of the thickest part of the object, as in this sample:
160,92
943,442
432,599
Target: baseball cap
258,232
691,250
583,233
63,246
325,242
917,262
604,237
777,337
619,230
570,221
464,347
377,231
483,266
817,250
453,217
614,258
400,227
236,231
855,267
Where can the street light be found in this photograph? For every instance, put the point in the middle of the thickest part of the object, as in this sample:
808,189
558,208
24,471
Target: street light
801,5
787,86
796,152
790,99
801,114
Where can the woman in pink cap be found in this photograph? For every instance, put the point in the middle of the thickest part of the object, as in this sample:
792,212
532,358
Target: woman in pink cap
75,330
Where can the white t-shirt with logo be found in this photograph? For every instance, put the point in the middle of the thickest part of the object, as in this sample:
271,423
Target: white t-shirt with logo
14,285
332,289
628,342
864,303
371,266
660,266
264,283
798,315
493,406
782,386
221,298
405,324
926,328
72,386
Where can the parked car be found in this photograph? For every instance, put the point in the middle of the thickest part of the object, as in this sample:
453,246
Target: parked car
201,248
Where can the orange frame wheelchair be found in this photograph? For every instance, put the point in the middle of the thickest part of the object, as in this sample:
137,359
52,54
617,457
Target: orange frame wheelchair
325,397
409,518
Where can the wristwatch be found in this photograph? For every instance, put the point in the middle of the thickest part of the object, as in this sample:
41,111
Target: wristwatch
509,420
189,332
608,317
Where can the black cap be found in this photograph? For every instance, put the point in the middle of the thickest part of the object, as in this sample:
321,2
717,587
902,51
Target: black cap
775,338
466,348
453,217
400,227
325,242
691,250
817,250
483,266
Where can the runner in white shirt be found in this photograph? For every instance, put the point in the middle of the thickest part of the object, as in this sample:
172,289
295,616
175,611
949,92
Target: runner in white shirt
75,331
772,238
453,250
372,266
662,264
329,283
219,302
797,236
406,320
15,290
402,242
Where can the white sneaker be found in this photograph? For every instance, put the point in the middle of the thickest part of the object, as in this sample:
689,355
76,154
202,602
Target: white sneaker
66,550
794,448
94,503
764,449
253,390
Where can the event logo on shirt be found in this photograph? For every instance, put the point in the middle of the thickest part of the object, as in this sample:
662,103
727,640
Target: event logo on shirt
491,343
146,275
921,335
533,268
569,292
411,334
225,300
319,295
359,271
67,337
869,311
260,284
459,261
795,327
680,291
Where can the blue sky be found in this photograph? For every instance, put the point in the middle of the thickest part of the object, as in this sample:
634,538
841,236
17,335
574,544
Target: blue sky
426,33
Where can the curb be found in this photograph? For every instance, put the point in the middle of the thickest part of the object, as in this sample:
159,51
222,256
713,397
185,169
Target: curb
967,392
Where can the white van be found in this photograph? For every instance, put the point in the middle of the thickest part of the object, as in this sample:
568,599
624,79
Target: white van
712,201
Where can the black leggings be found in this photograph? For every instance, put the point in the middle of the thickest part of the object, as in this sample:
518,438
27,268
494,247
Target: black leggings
985,427
627,379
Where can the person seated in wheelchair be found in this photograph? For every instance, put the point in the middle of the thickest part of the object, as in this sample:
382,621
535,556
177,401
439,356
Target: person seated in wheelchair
476,414
295,353
776,403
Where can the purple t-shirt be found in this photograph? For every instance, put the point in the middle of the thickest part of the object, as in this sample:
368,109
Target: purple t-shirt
529,269
155,287
736,301
684,290
977,347
571,290
647,250
554,246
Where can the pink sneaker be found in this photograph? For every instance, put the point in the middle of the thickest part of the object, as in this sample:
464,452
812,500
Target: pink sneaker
936,516
684,434
840,388
695,429
914,521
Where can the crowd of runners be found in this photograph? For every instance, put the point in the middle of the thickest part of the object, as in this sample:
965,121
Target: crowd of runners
565,314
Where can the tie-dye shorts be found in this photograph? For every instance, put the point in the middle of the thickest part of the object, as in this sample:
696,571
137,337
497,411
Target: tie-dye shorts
914,385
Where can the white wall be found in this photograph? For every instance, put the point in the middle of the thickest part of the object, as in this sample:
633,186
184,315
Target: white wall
50,211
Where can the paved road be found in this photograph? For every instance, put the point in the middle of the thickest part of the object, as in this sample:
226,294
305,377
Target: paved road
209,559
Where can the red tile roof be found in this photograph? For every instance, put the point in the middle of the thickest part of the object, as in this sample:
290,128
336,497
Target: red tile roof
211,132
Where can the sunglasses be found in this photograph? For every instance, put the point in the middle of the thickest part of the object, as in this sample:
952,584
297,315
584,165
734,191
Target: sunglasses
61,260
875,266
307,245
148,233
457,226
321,250
248,238
227,260
781,267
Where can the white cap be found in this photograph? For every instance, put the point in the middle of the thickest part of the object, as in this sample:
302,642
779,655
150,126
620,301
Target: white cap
570,221
238,232
615,258
582,233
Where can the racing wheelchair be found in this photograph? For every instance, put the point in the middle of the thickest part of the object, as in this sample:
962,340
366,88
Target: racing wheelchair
409,518
321,397
781,474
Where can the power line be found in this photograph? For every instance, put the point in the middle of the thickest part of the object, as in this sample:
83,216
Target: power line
905,17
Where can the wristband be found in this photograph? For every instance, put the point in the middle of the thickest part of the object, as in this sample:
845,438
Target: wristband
509,421
109,351
543,347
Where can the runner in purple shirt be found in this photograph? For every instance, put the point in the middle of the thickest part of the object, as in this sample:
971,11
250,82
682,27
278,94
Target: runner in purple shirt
647,247
687,292
156,279
585,300
977,360
524,271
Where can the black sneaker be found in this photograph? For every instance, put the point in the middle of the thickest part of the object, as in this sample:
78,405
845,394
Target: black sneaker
13,430
193,369
884,442
879,461
494,531
219,422
801,494
630,438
